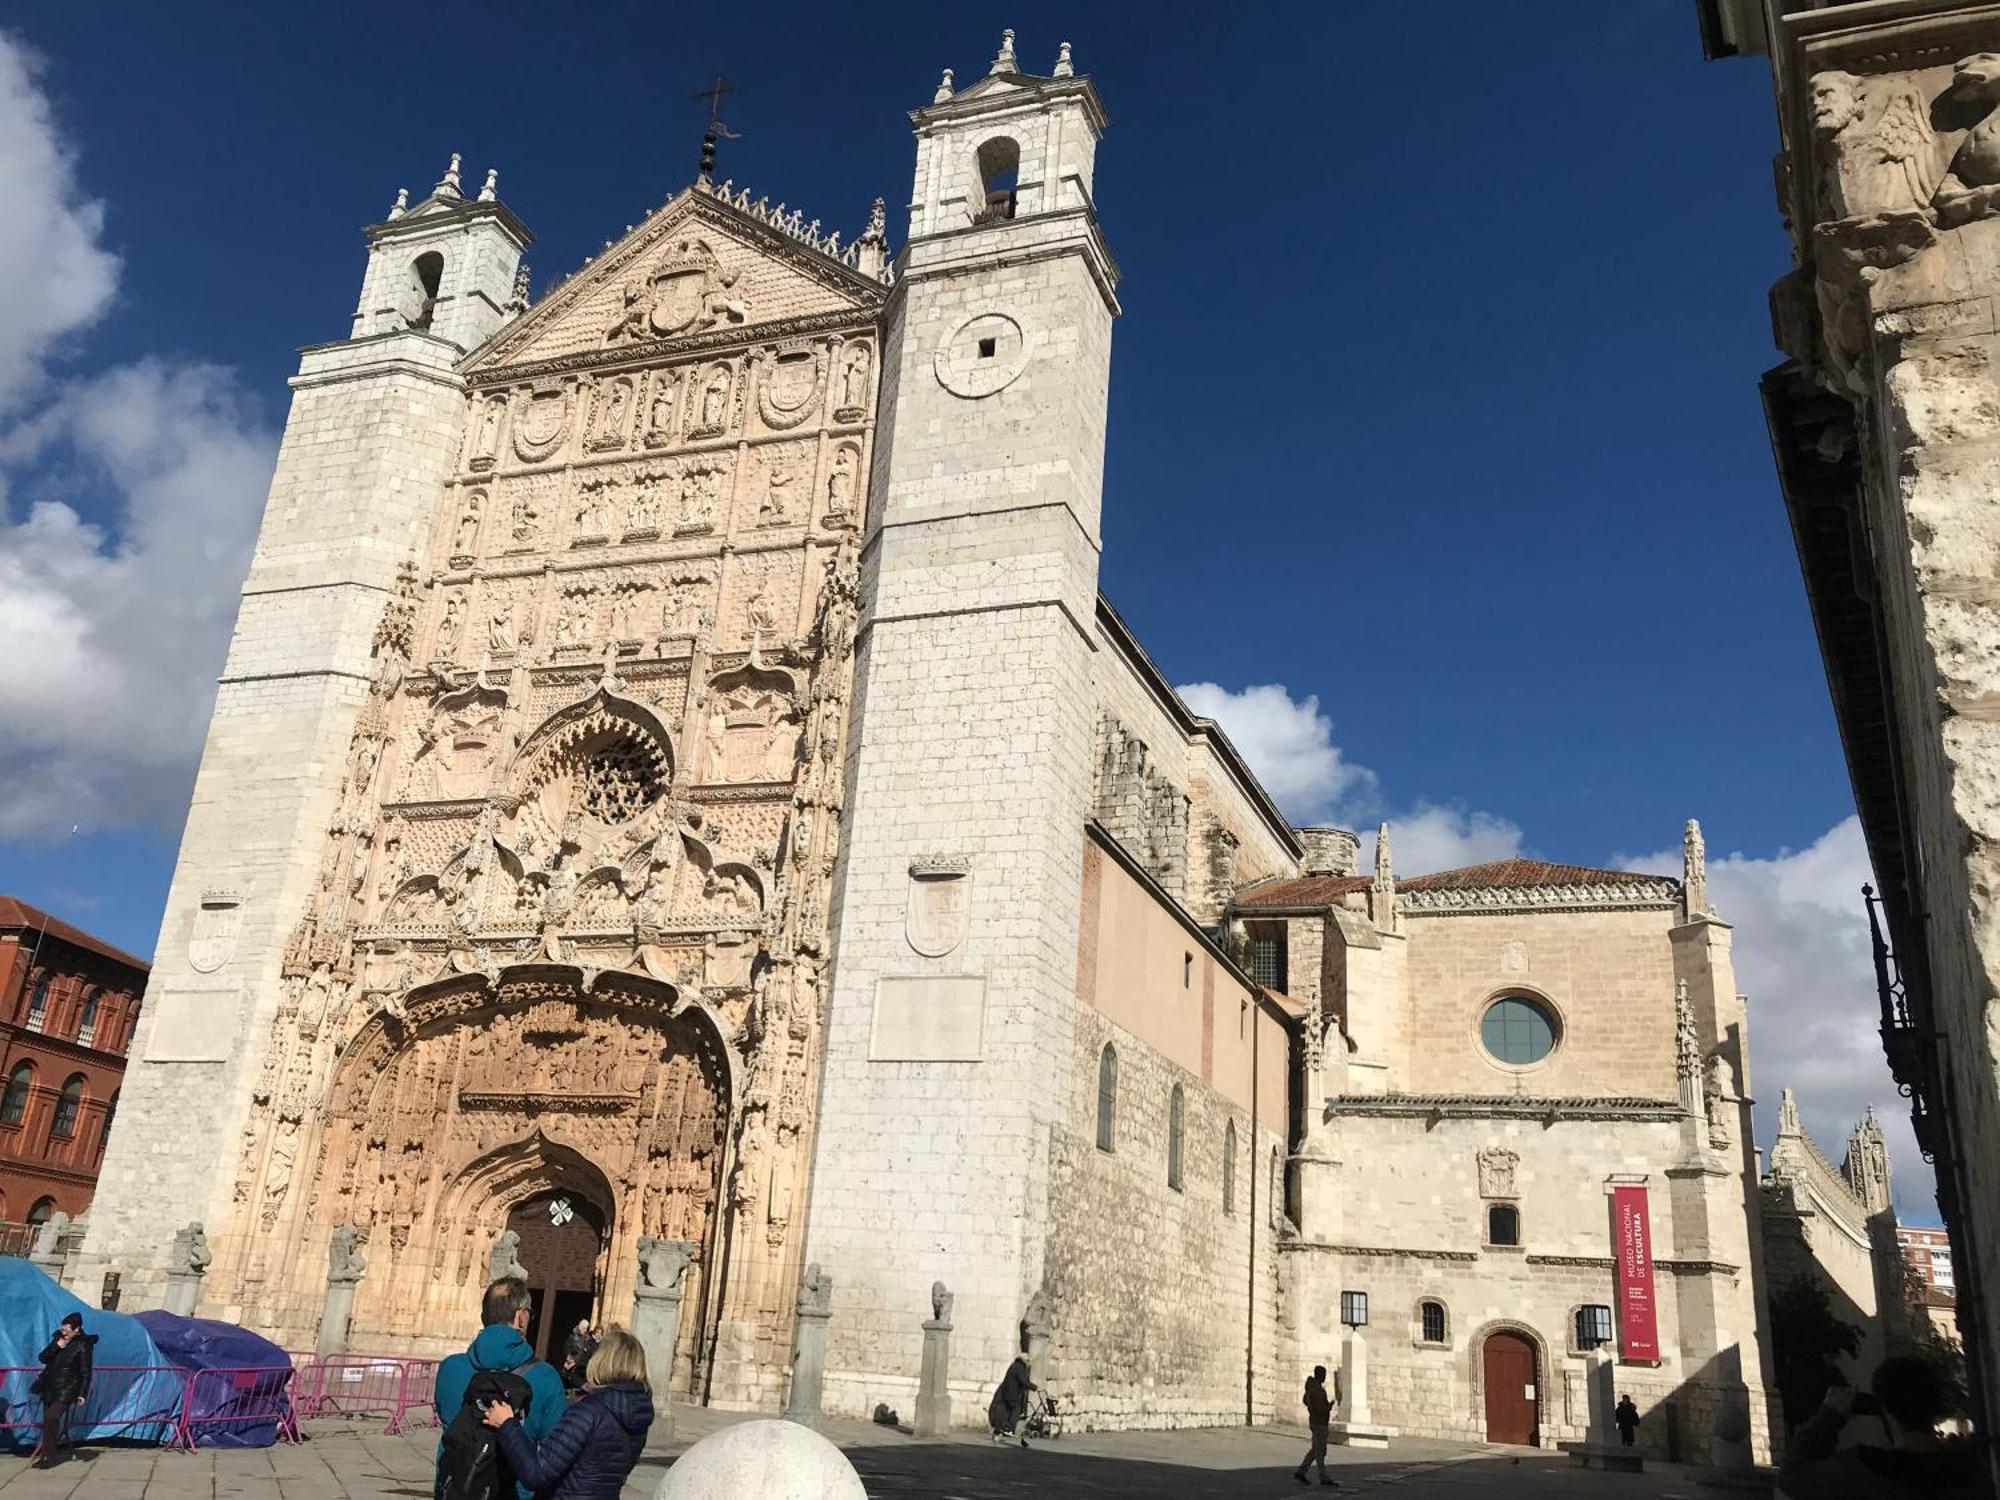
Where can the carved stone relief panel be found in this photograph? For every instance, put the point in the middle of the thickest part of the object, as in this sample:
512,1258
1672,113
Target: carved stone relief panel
762,600
778,491
752,732
527,509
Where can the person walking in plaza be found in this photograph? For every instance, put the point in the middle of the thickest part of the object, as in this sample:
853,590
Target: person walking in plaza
1319,1417
1010,1401
1626,1415
62,1385
500,1364
597,1443
577,1349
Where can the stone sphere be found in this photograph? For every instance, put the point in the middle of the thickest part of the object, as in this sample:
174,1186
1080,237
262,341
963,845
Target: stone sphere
768,1459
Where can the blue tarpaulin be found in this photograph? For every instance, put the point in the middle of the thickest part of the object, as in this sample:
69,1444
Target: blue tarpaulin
140,1407
237,1407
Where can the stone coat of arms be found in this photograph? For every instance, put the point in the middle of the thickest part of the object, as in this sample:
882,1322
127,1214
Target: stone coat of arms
940,905
217,921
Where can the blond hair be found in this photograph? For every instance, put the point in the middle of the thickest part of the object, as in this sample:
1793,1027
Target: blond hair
619,1357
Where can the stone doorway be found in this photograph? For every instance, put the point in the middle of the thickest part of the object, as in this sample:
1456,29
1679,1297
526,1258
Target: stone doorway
563,1238
1513,1399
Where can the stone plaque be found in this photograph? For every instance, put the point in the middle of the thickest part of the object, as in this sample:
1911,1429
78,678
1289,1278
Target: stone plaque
985,353
193,1023
925,1018
217,920
940,904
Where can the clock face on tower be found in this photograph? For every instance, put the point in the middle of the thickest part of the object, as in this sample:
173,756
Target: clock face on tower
981,355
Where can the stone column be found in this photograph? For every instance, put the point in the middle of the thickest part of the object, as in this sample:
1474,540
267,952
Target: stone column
1602,1377
933,1389
802,1401
344,1268
187,1263
1035,1329
47,1251
1356,1426
656,1320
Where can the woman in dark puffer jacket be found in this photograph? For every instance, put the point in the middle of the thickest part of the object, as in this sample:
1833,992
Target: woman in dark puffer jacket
63,1384
597,1442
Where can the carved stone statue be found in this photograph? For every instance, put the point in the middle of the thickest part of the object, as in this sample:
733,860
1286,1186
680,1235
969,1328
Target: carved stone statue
854,380
1878,146
344,1260
48,1239
500,628
840,484
1721,1094
190,1252
715,398
450,626
1967,191
468,529
527,521
662,1263
505,1258
775,507
815,1293
941,1300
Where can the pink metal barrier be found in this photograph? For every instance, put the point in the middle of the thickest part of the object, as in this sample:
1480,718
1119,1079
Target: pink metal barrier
231,1406
351,1385
139,1402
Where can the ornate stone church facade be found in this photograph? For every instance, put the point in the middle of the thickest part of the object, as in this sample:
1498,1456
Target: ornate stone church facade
675,782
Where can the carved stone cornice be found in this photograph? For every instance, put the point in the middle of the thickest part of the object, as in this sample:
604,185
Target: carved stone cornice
623,358
549,1103
1509,1107
1639,893
1380,1251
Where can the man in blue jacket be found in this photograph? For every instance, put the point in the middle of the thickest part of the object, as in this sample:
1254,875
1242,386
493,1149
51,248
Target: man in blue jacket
503,1345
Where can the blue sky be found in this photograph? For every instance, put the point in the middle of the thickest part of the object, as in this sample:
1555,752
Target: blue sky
1435,450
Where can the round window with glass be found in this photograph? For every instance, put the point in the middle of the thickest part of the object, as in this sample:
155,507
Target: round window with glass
1518,1031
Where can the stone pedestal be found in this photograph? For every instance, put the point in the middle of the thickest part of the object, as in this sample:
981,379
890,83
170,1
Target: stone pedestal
933,1392
345,1267
1356,1427
183,1292
656,1320
47,1253
802,1400
1601,1378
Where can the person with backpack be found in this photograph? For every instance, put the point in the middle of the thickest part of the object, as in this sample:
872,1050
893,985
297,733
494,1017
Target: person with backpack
500,1365
597,1443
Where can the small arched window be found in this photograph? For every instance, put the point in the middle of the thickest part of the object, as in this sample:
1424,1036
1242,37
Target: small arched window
1503,1224
43,1210
1107,1099
426,276
104,1133
1430,1322
68,1105
86,1025
1229,1168
1176,1125
14,1103
999,169
38,1004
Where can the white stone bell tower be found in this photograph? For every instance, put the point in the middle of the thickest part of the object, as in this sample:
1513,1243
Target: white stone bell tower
969,775
375,426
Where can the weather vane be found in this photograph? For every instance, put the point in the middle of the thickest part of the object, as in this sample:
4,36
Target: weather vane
717,131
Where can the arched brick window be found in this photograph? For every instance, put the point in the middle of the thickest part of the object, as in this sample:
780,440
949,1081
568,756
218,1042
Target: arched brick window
68,1105
38,1004
14,1103
86,1025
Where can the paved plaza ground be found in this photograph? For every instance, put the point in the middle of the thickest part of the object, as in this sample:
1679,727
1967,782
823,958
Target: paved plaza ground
355,1461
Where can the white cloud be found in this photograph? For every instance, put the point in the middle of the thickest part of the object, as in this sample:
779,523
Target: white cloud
116,612
1430,837
55,278
1289,744
1801,949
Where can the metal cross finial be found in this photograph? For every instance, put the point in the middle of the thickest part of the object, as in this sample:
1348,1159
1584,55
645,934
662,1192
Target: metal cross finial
717,131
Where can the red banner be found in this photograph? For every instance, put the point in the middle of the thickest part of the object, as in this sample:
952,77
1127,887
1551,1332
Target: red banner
1638,1324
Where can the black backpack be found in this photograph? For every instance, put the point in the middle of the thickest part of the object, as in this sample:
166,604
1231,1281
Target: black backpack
469,1463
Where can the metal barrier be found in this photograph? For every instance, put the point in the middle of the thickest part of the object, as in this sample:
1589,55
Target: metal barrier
237,1403
351,1385
139,1402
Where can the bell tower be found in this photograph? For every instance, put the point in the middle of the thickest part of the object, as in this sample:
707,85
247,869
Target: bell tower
969,777
375,426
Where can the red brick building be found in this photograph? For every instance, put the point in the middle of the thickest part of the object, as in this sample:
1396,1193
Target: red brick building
68,1002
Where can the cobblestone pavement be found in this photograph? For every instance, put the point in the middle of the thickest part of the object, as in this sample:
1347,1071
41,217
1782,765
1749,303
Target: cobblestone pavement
343,1461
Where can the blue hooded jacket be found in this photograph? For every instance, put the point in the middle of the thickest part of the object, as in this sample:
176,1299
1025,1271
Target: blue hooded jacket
594,1447
500,1346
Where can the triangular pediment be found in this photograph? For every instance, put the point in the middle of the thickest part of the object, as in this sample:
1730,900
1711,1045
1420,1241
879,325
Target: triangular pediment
698,268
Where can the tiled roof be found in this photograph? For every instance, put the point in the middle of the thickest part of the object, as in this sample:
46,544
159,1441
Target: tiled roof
17,914
1499,875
